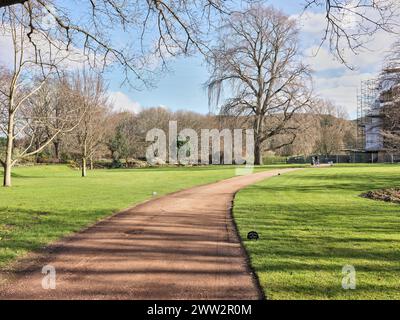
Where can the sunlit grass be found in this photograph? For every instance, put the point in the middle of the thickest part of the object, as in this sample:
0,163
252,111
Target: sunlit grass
313,222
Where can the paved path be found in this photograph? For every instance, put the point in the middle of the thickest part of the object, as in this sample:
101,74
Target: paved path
179,246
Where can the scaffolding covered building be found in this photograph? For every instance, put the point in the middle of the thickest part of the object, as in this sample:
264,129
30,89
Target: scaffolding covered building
373,97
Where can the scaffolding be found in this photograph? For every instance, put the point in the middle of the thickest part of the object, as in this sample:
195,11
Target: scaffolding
367,100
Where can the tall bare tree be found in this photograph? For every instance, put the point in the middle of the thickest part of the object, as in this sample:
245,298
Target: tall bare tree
391,126
257,56
389,111
23,80
54,104
91,131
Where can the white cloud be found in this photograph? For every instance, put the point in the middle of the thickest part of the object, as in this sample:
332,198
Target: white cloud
121,102
348,78
72,59
311,22
163,106
371,57
342,89
321,59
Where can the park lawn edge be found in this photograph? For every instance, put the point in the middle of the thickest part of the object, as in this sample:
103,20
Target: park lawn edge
382,176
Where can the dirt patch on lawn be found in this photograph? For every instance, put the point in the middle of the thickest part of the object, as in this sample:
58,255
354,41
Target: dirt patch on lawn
388,195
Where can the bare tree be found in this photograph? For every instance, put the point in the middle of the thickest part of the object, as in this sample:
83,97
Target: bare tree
20,83
257,55
305,141
391,128
54,104
389,111
90,133
332,128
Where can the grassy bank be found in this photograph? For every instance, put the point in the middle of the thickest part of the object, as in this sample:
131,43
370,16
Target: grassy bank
313,222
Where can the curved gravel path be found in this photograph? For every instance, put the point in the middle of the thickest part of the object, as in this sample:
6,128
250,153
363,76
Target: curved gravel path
179,246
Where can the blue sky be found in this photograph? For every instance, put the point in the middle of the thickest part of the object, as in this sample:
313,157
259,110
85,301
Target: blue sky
180,88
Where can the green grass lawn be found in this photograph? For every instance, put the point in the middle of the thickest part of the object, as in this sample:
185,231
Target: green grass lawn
313,222
48,202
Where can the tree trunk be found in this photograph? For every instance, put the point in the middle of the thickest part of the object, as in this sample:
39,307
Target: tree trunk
7,175
57,150
9,151
258,160
37,145
91,163
84,174
84,159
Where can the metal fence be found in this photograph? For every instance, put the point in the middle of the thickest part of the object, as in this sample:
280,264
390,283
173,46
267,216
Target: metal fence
354,157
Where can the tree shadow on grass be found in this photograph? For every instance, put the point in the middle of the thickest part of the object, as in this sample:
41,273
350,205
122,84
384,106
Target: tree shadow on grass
31,230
